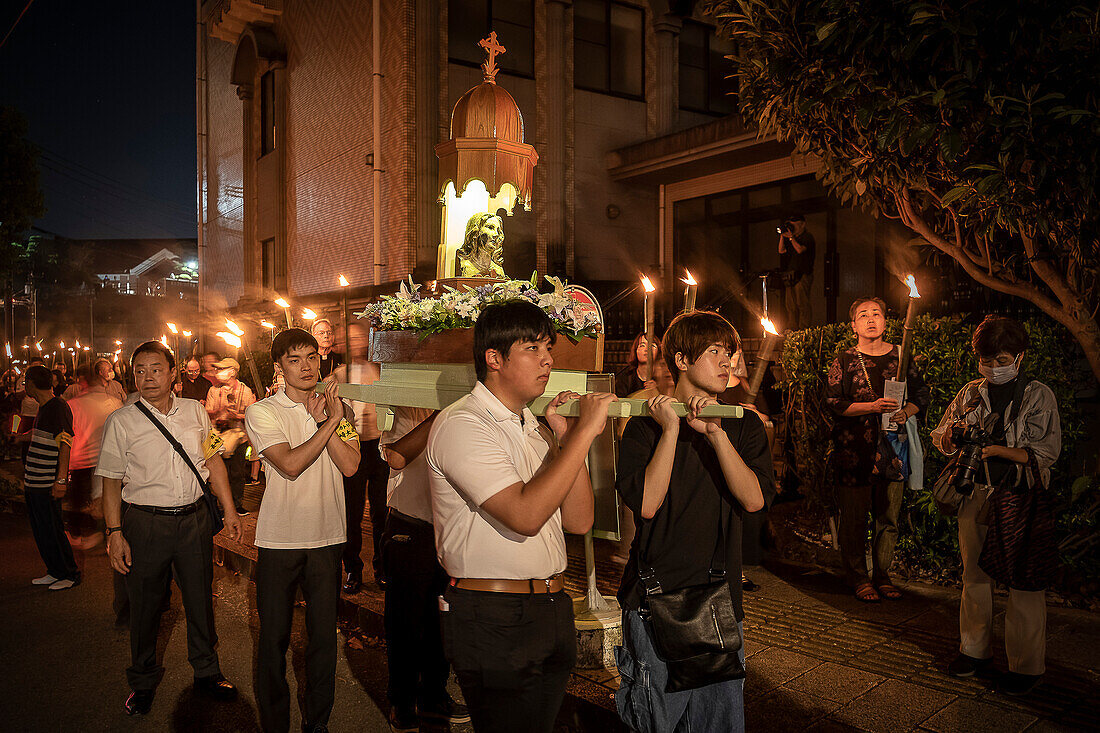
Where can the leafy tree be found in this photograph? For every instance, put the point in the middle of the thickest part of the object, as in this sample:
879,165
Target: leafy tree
974,123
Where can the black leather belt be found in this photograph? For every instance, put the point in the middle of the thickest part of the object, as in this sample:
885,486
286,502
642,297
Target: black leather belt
174,511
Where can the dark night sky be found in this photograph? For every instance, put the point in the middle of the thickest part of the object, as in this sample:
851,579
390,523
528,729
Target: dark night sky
108,90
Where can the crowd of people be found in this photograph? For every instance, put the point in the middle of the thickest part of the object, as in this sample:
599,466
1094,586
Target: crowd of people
469,507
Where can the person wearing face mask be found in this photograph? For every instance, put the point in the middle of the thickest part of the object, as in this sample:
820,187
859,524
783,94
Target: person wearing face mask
226,404
1006,526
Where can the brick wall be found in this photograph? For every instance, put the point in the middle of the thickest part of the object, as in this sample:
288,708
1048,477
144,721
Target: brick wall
327,139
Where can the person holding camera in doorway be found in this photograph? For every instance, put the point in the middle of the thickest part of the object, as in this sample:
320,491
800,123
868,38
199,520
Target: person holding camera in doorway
797,250
1006,525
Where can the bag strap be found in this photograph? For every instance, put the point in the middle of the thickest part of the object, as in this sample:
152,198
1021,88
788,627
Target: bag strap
648,576
175,444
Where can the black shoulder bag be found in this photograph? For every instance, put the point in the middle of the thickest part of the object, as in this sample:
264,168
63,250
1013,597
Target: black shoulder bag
211,501
695,628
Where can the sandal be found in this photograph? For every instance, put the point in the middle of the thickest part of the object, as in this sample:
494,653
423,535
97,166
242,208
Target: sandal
889,591
867,593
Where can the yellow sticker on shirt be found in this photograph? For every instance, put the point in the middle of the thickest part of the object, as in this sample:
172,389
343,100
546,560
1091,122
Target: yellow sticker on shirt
346,432
213,444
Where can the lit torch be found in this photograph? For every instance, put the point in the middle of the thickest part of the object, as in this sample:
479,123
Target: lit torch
692,287
763,358
894,389
238,333
907,333
650,325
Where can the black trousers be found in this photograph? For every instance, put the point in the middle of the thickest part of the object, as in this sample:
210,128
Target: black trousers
44,513
366,486
414,582
80,520
882,499
161,546
512,654
279,575
237,467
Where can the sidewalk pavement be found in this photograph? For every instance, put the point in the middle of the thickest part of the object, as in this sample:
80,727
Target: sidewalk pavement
820,660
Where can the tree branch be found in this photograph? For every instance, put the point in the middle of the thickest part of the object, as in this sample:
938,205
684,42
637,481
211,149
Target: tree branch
1023,290
1054,280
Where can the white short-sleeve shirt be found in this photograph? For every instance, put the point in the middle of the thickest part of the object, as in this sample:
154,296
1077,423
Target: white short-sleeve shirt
478,447
152,473
408,490
301,513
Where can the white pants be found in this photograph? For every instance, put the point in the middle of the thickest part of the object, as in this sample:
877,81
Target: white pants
1025,618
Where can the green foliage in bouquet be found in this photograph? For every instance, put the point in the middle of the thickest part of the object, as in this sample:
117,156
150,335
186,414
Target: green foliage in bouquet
411,310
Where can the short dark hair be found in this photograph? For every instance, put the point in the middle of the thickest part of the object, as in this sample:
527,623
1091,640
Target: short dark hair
154,347
999,333
40,377
798,216
39,359
691,333
502,324
291,338
860,301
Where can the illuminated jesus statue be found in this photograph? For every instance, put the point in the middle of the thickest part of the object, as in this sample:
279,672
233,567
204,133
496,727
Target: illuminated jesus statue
482,251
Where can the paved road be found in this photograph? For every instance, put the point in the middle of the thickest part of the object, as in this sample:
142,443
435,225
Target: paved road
64,660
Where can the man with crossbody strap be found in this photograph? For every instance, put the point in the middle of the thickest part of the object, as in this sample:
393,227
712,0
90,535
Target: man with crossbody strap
167,528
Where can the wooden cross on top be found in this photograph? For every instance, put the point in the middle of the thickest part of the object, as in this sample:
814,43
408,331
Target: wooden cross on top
493,48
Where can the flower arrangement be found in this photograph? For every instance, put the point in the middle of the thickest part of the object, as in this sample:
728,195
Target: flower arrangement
410,310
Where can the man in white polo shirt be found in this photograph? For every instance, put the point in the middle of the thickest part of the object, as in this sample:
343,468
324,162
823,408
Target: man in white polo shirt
306,443
503,490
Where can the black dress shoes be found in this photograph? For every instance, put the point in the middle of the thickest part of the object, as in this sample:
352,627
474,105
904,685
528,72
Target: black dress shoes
216,687
352,583
139,702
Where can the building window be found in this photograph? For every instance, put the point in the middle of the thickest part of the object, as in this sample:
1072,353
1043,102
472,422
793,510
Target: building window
608,46
267,113
267,264
703,71
468,21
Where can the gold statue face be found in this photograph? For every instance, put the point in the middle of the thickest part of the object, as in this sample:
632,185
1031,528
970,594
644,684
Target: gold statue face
482,251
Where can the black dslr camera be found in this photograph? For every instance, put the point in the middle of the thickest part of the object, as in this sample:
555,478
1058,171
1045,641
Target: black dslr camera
786,226
970,440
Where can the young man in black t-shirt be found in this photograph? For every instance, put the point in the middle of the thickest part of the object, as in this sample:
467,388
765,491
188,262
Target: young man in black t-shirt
46,479
682,477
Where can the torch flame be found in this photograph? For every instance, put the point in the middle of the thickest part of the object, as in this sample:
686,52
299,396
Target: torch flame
172,327
281,302
230,338
912,283
267,324
344,282
769,326
647,284
308,314
233,327
689,280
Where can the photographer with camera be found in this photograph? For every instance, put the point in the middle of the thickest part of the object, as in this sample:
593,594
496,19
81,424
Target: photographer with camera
1006,524
797,250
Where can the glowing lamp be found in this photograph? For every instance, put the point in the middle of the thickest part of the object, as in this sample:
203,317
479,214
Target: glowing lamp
485,166
308,314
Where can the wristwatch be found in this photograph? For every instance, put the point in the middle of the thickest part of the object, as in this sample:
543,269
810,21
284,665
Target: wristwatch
112,530
62,481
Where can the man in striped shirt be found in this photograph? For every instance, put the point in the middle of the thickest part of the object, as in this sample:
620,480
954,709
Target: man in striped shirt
46,479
